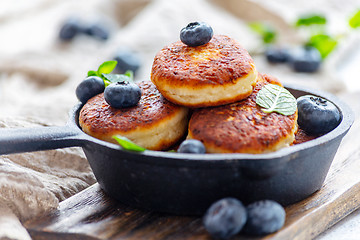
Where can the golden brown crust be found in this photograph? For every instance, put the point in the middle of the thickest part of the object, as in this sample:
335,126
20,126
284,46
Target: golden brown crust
100,120
222,63
242,126
270,79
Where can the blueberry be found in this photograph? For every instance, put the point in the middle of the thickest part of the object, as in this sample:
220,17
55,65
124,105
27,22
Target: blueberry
264,217
191,146
69,29
306,59
277,54
89,87
196,34
122,94
225,218
127,60
317,115
97,31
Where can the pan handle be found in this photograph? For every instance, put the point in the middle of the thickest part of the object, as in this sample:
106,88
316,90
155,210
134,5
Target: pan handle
19,140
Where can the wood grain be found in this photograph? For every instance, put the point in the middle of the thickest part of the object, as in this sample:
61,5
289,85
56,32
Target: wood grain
91,214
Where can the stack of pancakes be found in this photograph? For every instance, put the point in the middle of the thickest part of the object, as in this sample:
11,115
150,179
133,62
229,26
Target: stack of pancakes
218,81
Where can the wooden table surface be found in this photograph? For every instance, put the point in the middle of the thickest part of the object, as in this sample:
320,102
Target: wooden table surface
91,214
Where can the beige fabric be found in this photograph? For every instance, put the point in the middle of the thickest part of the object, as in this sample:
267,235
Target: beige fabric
34,183
10,226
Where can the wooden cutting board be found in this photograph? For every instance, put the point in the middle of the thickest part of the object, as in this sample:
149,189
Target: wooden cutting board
91,214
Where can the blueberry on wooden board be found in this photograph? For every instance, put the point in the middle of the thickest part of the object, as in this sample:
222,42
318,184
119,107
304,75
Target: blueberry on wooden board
225,218
306,59
89,87
196,34
317,115
191,146
122,94
264,217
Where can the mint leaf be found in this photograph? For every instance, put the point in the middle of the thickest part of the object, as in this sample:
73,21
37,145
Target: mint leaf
324,43
128,144
311,20
106,67
113,78
91,73
116,77
267,32
354,21
130,74
274,98
104,71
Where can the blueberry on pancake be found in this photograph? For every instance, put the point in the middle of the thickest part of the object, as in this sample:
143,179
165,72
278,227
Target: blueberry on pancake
154,123
216,73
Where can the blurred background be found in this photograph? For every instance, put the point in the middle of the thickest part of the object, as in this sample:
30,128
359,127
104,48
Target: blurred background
47,46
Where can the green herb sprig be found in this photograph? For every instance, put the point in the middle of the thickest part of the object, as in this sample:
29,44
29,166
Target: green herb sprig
315,25
317,33
354,21
311,20
324,43
127,144
267,33
104,72
274,98
319,39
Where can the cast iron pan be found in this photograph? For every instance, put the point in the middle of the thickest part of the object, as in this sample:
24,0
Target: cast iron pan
188,183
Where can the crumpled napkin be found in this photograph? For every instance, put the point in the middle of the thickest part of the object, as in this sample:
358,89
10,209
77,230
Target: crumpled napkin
34,183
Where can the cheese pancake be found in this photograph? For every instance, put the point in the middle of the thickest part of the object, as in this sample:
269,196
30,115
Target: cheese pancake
154,123
217,73
242,127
